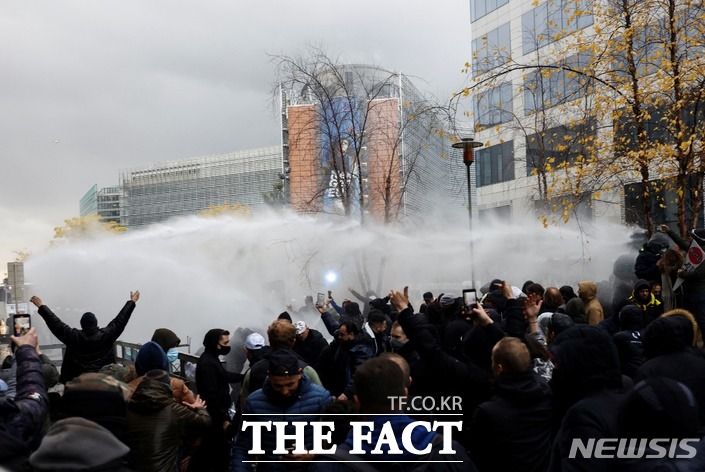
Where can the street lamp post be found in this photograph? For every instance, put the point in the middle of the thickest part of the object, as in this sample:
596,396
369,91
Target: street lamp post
468,145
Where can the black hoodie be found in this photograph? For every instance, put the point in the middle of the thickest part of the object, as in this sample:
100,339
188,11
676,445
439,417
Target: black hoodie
212,379
512,431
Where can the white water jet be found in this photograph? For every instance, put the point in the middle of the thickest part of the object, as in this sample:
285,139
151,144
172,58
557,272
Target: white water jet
198,273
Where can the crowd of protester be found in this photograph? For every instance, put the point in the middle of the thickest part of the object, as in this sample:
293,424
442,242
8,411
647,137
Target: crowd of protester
532,370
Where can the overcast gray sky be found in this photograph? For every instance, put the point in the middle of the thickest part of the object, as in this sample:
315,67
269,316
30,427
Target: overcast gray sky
92,87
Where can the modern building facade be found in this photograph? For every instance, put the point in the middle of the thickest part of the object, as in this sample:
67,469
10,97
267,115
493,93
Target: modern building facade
363,142
526,118
188,186
104,202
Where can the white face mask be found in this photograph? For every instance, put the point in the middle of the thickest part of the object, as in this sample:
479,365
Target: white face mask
172,354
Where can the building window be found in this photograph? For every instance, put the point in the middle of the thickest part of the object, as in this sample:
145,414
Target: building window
549,86
541,25
557,146
494,106
495,164
479,8
491,50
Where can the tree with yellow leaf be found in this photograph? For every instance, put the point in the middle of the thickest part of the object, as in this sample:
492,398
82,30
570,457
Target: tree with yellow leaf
634,69
86,227
233,209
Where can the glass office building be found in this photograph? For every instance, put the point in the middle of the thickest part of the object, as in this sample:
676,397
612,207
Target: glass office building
188,186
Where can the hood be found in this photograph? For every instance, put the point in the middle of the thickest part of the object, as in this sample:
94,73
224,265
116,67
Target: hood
575,308
151,356
588,289
631,318
520,387
89,322
150,396
78,444
420,438
166,338
659,241
585,360
641,283
667,334
658,407
210,340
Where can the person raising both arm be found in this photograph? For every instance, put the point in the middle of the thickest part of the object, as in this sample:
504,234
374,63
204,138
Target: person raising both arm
89,348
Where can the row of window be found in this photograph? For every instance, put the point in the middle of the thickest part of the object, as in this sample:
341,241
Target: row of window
540,26
559,145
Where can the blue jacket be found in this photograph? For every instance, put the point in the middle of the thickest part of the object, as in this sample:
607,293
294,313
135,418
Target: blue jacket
311,400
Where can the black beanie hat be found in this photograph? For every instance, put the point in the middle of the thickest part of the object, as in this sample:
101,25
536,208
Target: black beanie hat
89,321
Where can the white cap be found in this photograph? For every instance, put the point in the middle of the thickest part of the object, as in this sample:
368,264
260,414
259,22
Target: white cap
254,341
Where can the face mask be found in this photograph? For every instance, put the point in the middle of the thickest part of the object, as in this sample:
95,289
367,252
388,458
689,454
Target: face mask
224,350
172,354
396,344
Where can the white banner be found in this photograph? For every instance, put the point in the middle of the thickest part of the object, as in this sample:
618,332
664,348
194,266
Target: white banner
693,259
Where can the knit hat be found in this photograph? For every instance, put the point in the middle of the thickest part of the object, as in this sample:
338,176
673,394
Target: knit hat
254,341
447,299
89,321
283,362
74,444
284,315
300,327
96,397
151,356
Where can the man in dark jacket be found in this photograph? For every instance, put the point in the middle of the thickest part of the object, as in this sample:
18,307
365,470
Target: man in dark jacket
156,424
339,361
309,343
587,389
629,339
645,264
89,348
212,385
377,382
512,431
22,417
287,391
667,343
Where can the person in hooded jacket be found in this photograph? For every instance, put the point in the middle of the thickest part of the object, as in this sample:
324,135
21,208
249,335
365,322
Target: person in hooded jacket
309,343
22,417
629,339
89,348
658,408
645,265
156,424
587,392
643,298
512,431
587,291
151,356
169,342
668,345
212,384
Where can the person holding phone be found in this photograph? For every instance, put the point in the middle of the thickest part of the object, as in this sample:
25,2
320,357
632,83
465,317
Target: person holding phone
89,348
24,416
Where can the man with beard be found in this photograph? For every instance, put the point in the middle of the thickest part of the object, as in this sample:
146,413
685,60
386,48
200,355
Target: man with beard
339,361
212,383
287,391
